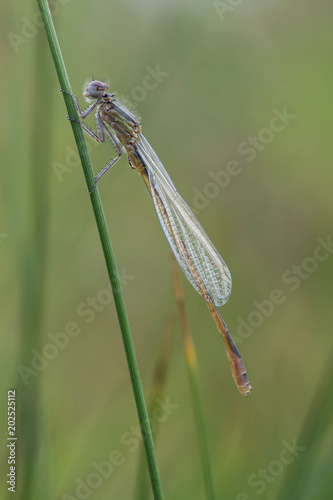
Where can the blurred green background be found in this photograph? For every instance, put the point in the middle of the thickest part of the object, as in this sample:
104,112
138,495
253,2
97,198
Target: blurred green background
224,70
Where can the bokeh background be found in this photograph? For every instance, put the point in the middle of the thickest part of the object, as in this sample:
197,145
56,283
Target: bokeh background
224,69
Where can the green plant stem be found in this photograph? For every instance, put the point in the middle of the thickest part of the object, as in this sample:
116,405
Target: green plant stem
108,253
157,389
32,256
314,433
201,431
191,362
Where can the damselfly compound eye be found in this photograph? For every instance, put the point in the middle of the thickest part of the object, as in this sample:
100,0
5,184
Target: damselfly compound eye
96,89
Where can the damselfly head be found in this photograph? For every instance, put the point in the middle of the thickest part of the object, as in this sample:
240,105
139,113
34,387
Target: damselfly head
94,89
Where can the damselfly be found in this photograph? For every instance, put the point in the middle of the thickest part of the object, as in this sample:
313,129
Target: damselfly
198,258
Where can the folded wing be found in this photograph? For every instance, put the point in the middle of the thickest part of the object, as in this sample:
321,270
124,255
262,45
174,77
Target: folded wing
181,228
